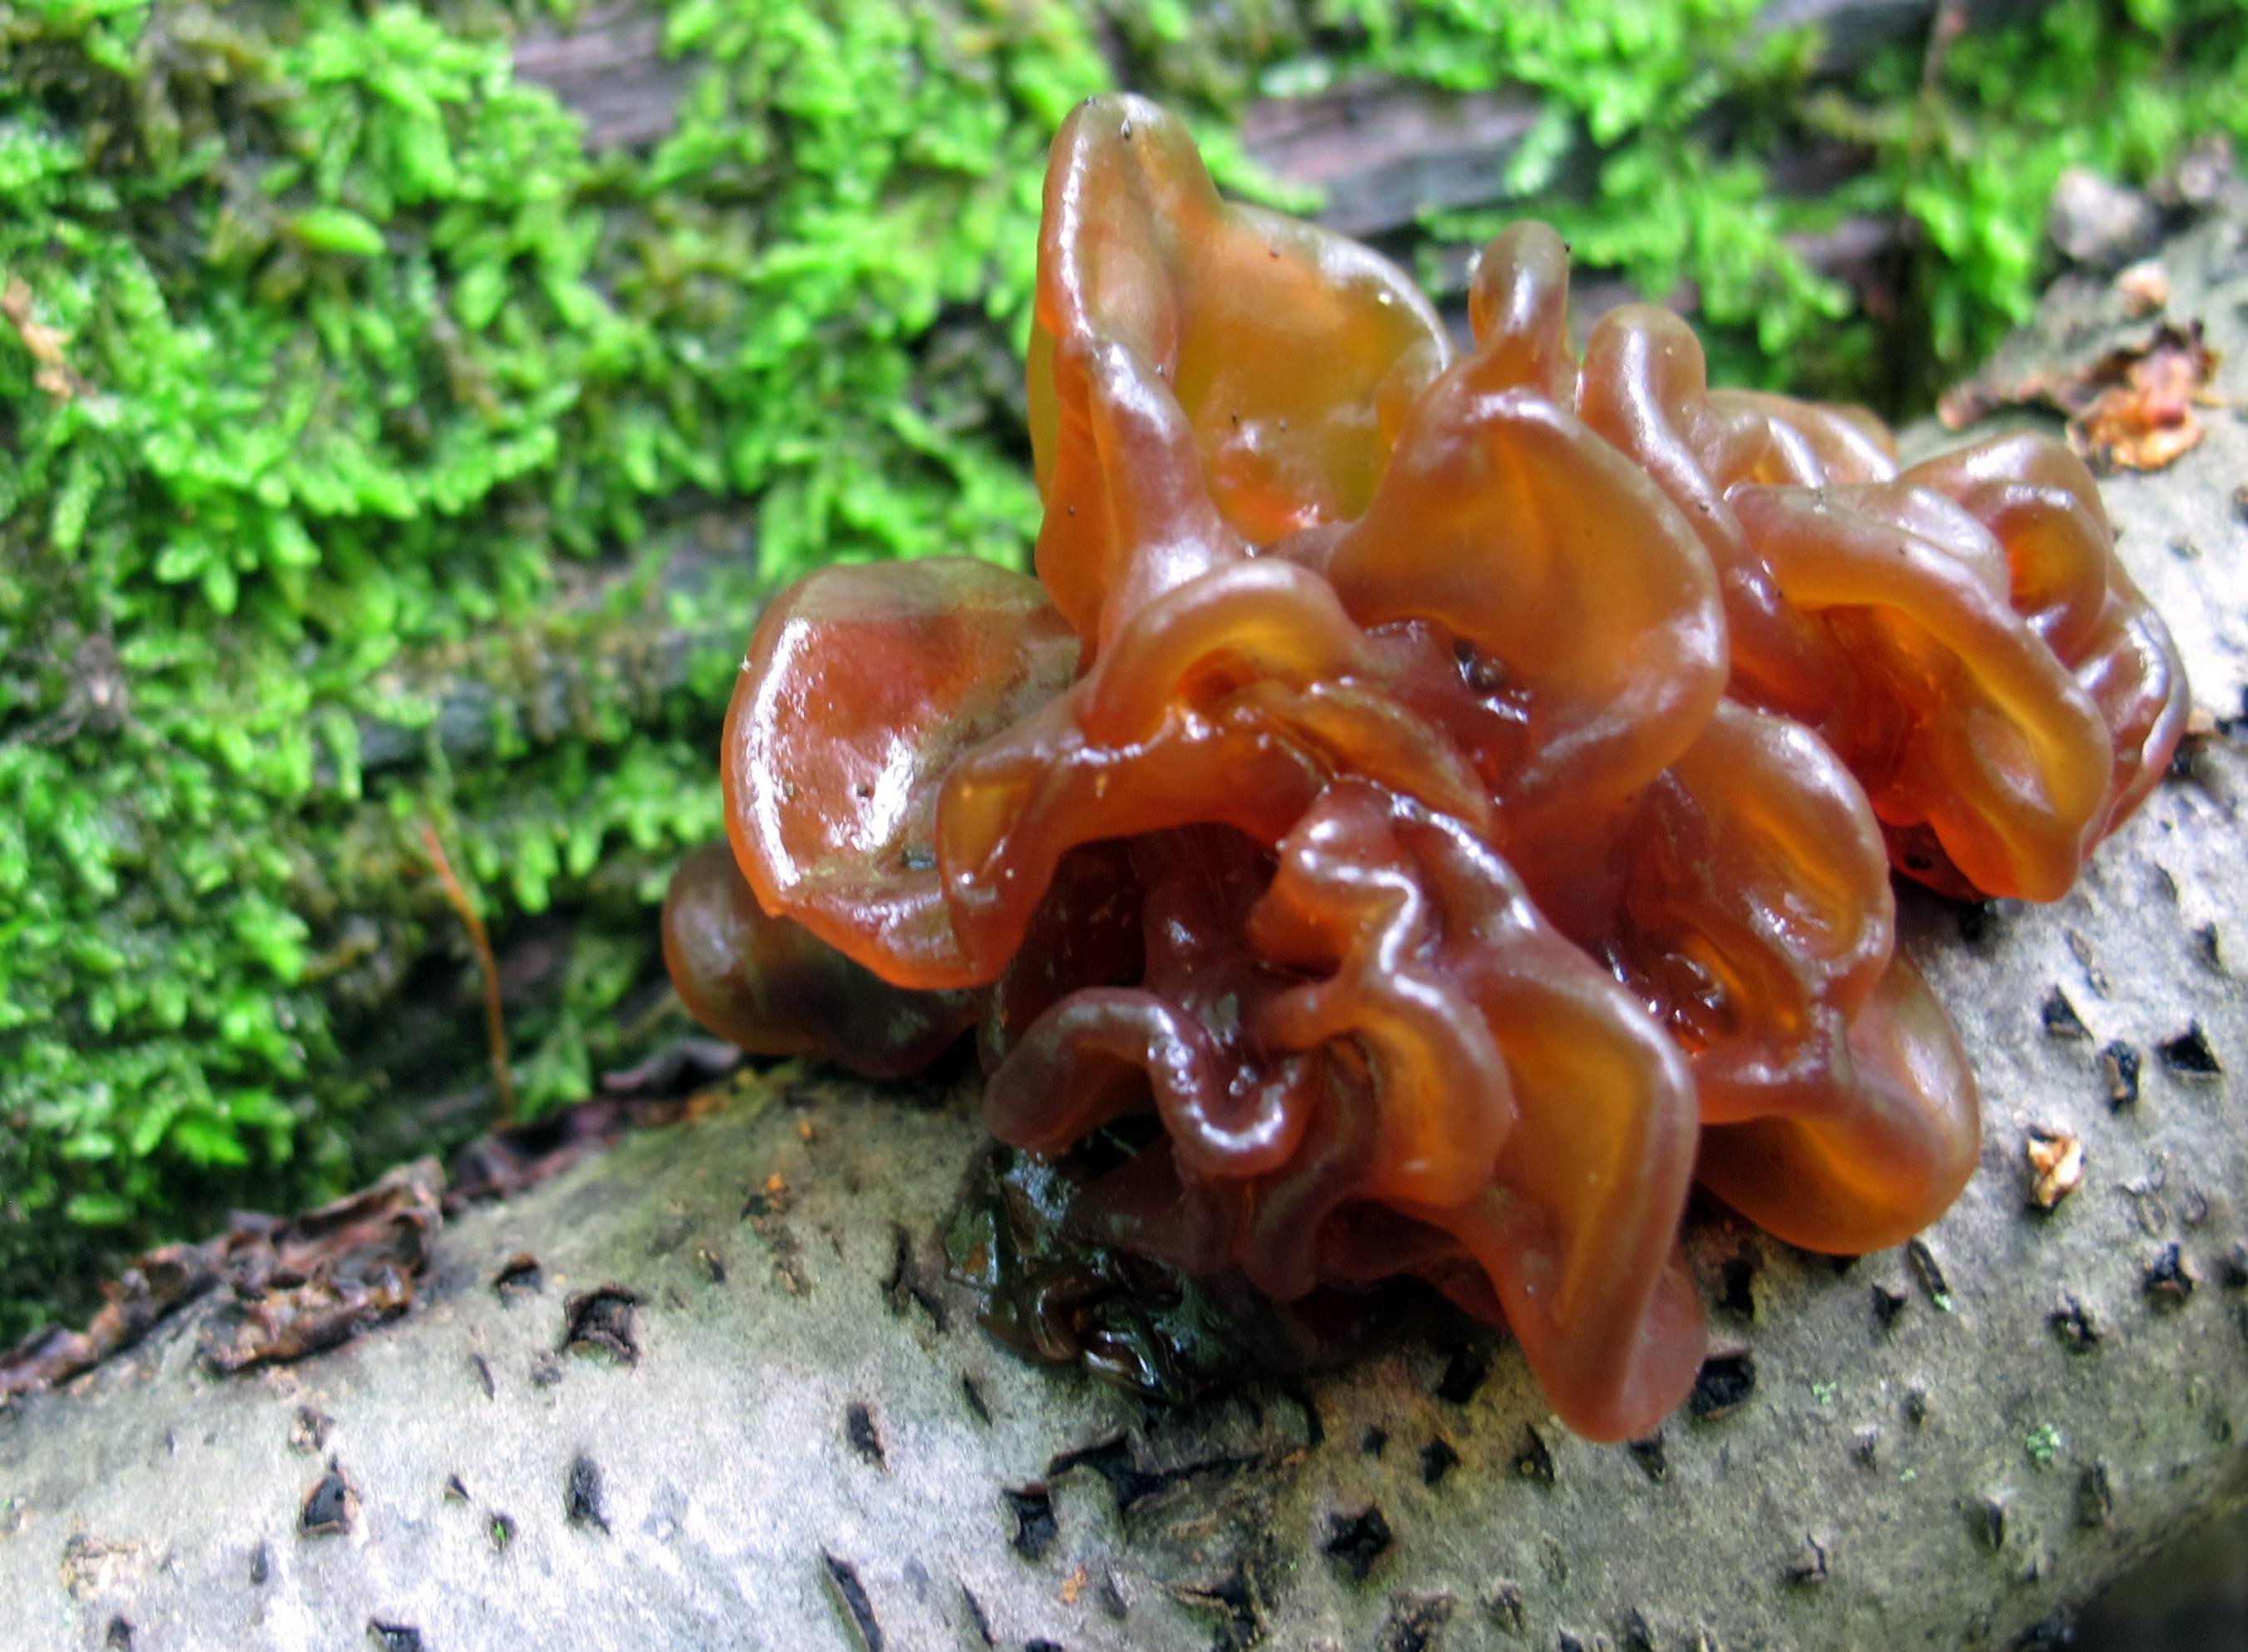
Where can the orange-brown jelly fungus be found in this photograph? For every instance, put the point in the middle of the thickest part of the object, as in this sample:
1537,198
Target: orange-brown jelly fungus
1454,793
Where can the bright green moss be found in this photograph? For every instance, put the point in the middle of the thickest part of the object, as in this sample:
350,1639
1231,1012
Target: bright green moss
372,454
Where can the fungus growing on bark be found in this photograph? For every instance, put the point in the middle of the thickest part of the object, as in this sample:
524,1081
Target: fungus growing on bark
1453,795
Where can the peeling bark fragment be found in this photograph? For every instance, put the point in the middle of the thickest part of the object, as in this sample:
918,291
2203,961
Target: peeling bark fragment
1534,1461
2095,1497
2119,1065
309,1429
1929,1272
2233,1272
1463,1373
1811,1570
1738,1279
519,1277
2060,1019
601,1321
1035,1527
1887,1304
2073,1324
1356,1542
582,1498
394,1637
974,1395
305,1284
1722,1387
2190,1054
330,1506
509,1161
843,1579
2167,1278
1504,1606
866,1439
977,1622
1416,1623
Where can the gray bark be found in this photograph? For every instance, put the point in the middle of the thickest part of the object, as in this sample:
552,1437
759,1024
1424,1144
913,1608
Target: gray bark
818,1447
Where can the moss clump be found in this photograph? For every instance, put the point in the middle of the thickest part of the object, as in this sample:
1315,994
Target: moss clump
344,390
372,454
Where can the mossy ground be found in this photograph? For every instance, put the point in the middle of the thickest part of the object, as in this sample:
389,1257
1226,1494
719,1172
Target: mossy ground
374,457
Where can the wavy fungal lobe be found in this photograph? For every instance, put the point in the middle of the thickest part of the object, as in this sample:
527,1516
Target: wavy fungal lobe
1432,805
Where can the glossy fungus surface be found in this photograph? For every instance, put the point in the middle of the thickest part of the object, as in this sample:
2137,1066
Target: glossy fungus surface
1431,804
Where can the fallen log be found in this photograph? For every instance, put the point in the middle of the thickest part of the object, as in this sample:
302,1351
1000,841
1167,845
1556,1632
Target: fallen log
737,1399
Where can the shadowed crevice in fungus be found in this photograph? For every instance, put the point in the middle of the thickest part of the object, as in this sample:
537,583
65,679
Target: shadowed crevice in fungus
1432,804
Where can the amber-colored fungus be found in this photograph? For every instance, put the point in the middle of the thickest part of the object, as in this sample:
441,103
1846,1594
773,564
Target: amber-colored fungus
1454,793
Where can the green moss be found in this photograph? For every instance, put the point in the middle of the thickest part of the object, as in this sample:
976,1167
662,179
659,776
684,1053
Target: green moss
372,455
374,387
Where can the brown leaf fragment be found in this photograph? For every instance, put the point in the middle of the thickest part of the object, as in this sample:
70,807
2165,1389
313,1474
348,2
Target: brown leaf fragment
152,1287
2147,419
296,1286
2131,408
309,1283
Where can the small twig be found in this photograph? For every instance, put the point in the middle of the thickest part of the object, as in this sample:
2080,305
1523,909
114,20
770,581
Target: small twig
494,1019
1948,23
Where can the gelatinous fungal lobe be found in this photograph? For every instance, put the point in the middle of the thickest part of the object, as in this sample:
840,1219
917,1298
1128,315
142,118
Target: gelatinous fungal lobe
1389,1062
1757,922
1429,804
860,687
774,988
1961,632
1251,365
